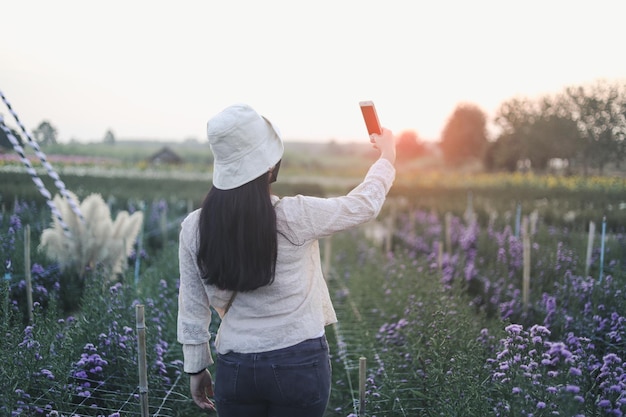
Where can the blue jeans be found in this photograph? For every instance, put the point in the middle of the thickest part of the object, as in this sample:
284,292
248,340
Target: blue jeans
289,382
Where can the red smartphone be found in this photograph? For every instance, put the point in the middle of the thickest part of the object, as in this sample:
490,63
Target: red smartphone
371,117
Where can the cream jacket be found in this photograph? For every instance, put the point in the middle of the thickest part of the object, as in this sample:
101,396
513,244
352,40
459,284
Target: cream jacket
297,305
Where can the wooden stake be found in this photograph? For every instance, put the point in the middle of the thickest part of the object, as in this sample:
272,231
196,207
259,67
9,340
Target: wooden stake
143,371
534,218
29,284
362,370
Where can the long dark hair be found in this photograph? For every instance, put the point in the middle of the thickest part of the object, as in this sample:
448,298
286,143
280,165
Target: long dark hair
238,242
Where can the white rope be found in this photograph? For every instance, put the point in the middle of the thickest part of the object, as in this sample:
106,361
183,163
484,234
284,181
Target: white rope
42,157
33,174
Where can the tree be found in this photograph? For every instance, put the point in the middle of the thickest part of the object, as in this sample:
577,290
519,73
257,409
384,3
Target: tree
465,135
409,146
598,111
502,154
45,134
552,134
513,118
621,149
534,131
109,137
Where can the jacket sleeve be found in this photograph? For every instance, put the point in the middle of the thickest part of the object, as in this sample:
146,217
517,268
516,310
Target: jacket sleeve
314,218
194,313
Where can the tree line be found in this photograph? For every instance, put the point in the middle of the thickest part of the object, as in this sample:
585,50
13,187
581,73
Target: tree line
44,134
584,127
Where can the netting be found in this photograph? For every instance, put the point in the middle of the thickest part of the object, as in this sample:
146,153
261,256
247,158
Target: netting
356,339
122,402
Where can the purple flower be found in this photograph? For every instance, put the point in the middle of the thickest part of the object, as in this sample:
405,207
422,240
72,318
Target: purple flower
47,373
572,388
80,374
37,269
15,222
539,330
575,371
514,328
611,358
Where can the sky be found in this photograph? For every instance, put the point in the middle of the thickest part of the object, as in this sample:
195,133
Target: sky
160,69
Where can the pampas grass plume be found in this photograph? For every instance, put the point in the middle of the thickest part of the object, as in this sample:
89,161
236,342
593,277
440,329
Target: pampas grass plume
95,242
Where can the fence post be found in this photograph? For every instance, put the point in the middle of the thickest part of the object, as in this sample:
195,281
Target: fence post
27,274
143,371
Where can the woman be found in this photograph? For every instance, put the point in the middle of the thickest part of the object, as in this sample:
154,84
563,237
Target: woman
255,259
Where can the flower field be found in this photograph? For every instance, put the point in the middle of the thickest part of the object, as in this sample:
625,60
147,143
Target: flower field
449,334
476,314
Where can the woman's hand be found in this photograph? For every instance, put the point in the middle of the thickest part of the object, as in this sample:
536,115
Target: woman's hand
386,143
201,386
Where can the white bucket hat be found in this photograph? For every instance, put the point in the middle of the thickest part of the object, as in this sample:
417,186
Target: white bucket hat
245,145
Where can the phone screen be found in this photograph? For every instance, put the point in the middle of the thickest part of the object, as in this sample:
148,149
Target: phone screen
371,117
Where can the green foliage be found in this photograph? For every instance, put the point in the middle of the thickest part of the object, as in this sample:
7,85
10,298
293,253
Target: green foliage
557,206
585,125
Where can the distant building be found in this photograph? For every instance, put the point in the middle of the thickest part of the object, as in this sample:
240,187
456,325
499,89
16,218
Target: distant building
165,156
